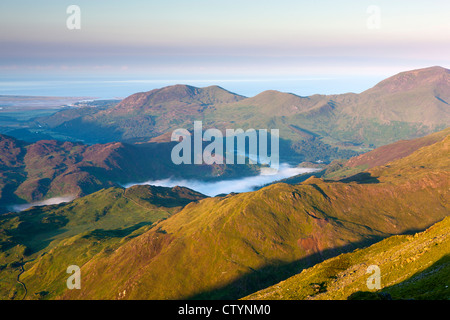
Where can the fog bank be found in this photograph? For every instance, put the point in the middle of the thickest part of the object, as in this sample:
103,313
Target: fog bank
245,184
47,202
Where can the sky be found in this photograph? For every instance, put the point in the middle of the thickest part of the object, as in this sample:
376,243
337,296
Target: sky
241,40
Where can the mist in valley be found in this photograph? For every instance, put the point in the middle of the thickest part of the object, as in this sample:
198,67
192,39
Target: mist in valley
246,184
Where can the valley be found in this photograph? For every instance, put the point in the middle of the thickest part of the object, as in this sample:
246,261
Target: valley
363,179
240,243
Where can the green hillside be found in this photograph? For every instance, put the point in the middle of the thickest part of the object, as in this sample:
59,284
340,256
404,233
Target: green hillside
159,243
43,239
229,247
382,156
404,106
411,267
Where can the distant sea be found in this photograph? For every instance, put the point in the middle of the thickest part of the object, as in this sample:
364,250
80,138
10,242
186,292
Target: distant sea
120,88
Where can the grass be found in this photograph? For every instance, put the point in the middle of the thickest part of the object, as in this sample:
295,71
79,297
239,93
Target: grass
51,237
229,247
412,267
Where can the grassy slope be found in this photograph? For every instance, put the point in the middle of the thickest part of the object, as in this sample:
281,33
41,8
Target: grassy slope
382,156
395,150
412,267
47,238
218,247
229,247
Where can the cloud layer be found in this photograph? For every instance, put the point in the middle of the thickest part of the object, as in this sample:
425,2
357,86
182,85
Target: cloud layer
227,186
47,202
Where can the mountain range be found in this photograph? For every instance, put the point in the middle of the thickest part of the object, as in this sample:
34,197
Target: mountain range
380,198
243,242
158,243
408,105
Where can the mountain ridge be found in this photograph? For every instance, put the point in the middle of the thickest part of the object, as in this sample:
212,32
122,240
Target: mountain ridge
409,80
149,242
407,105
240,240
396,150
180,93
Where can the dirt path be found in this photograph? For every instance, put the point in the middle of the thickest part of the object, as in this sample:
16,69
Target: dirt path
18,279
135,202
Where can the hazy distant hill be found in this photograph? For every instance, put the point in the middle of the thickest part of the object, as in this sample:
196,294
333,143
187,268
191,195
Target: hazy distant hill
176,97
418,96
141,115
408,105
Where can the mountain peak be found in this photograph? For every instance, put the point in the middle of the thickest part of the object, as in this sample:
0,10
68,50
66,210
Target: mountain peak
183,91
179,94
410,80
282,103
275,94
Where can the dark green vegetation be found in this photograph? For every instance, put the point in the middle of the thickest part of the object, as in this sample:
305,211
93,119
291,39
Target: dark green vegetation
46,238
325,127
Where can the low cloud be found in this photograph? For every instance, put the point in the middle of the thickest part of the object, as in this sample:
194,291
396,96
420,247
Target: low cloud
213,188
47,202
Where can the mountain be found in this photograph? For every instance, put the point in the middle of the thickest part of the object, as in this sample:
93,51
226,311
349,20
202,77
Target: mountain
380,156
272,102
52,236
411,267
175,98
149,242
228,247
141,115
417,96
169,243
405,106
394,151
51,168
433,77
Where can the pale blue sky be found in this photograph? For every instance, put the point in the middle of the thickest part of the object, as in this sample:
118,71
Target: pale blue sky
223,39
